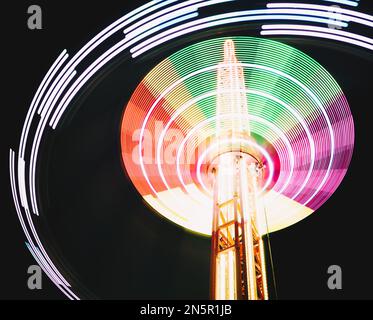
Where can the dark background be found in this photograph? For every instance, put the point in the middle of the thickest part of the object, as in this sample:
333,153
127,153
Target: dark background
95,224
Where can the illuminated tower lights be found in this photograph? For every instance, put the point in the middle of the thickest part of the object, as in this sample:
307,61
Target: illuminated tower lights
237,253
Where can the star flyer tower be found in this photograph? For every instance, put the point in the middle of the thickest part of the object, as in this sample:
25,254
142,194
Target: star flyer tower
237,249
233,161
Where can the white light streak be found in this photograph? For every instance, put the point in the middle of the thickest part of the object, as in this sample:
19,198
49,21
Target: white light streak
239,16
56,278
317,29
99,63
40,92
317,35
164,15
363,16
346,2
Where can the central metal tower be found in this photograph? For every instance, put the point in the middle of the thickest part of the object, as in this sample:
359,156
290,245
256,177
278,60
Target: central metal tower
237,255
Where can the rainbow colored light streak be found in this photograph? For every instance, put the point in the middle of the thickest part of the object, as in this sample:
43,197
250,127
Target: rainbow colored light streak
298,115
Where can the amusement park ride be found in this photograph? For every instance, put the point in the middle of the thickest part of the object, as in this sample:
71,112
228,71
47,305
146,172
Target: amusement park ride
235,138
231,137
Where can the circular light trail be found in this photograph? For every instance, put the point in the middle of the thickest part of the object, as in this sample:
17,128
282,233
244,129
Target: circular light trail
168,130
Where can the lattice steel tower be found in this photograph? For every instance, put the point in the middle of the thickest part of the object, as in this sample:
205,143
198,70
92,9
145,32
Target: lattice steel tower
237,257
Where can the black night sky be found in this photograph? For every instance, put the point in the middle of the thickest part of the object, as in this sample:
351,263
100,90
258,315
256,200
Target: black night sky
95,224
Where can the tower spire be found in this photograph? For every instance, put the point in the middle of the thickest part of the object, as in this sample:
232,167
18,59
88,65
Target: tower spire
229,52
232,109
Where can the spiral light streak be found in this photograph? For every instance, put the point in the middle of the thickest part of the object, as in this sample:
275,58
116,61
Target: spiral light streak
277,72
181,95
181,109
250,118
